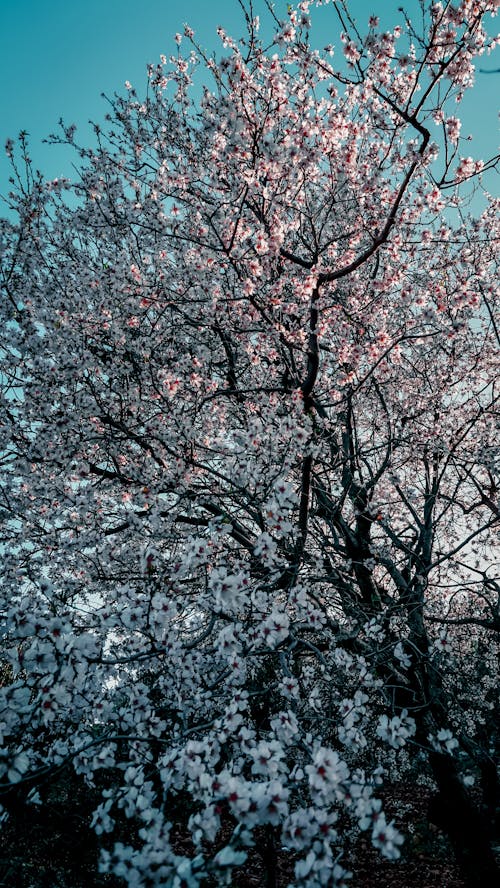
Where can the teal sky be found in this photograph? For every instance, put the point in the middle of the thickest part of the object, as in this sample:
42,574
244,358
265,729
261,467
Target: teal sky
58,56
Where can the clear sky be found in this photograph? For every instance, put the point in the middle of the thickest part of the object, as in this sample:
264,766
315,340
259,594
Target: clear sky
58,56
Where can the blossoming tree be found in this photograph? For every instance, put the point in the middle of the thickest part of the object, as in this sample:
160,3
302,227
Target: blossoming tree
250,488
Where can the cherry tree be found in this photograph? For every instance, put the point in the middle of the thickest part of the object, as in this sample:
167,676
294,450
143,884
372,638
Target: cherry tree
250,363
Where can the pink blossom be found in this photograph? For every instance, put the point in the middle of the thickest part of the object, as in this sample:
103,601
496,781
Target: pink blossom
453,126
351,52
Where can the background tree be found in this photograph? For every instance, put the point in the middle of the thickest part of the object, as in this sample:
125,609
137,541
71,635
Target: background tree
250,372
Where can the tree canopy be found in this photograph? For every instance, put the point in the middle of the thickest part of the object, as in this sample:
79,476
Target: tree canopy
250,362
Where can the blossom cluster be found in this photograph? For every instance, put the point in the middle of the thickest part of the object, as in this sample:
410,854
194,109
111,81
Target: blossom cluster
250,422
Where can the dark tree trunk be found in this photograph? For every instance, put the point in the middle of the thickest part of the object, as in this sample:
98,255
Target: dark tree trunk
490,786
465,823
467,828
269,858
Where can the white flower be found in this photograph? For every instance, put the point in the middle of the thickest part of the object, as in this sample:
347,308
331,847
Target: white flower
286,35
285,726
402,656
119,860
205,825
324,824
466,168
275,628
319,869
299,829
327,773
386,838
352,737
18,767
442,643
227,588
304,868
40,657
351,52
229,857
315,699
278,506
268,758
101,820
453,126
273,802
186,875
368,810
396,730
374,630
237,794
265,549
444,741
289,687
